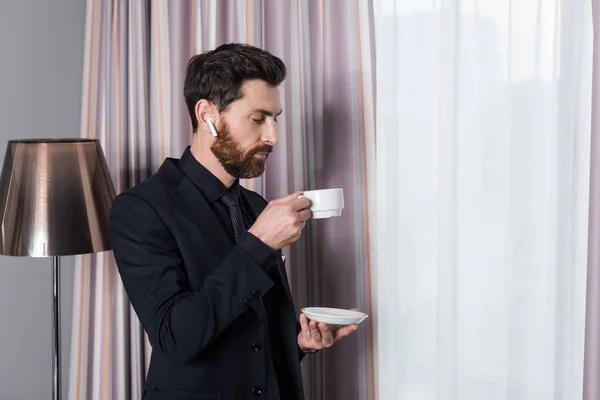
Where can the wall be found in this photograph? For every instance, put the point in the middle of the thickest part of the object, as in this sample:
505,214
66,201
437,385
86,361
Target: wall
41,46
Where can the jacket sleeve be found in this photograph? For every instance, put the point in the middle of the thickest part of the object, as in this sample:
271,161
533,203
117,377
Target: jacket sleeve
179,321
301,354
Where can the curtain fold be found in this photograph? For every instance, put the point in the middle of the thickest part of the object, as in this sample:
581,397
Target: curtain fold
135,58
591,383
483,164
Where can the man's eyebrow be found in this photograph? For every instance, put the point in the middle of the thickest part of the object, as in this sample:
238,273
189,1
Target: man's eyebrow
265,112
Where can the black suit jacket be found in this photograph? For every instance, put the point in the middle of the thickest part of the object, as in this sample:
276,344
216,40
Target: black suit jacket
193,291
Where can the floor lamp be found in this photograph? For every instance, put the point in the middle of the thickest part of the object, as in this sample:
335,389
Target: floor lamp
55,198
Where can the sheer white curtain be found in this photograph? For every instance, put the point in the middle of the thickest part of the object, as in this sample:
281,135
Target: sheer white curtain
483,131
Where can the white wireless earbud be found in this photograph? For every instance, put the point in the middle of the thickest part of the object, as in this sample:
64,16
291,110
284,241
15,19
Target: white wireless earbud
211,126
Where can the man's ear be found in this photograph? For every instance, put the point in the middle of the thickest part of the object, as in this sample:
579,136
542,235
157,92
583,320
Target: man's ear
206,111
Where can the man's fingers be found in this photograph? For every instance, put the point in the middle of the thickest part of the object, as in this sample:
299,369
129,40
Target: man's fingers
326,333
304,326
289,197
314,331
345,331
301,203
304,215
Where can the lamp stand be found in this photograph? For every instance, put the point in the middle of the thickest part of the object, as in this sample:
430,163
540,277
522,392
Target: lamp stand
55,328
53,179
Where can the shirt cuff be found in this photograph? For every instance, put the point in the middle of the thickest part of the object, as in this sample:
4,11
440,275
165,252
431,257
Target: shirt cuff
262,254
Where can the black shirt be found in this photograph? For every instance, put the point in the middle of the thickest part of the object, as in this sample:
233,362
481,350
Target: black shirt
213,190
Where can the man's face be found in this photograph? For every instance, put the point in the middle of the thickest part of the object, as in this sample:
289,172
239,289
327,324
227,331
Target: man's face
247,131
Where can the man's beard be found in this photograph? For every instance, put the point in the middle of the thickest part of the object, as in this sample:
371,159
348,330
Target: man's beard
237,162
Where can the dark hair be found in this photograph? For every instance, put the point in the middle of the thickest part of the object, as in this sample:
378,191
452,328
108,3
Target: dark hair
218,75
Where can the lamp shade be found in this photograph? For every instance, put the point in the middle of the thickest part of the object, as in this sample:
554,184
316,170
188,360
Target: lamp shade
55,198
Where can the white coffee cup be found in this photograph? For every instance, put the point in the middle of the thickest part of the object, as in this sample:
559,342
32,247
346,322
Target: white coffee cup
325,203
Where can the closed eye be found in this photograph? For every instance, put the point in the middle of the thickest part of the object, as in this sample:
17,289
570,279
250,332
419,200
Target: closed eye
261,120
264,113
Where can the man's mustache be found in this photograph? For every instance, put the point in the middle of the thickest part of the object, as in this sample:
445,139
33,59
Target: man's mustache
263,149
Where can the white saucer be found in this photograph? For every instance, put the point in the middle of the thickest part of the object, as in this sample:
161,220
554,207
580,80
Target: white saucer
334,316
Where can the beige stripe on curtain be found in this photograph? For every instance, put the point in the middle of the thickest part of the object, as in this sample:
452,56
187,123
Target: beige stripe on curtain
135,57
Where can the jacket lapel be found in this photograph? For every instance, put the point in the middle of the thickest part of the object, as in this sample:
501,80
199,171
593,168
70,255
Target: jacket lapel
191,198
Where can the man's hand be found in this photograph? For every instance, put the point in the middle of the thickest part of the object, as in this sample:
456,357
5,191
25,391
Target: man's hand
281,222
319,335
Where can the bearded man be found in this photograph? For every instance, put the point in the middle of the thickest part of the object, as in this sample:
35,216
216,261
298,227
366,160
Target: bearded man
200,256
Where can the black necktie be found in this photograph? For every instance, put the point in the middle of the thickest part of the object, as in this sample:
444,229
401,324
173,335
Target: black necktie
235,213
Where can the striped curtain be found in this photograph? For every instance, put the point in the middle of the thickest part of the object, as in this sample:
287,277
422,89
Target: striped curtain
135,58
